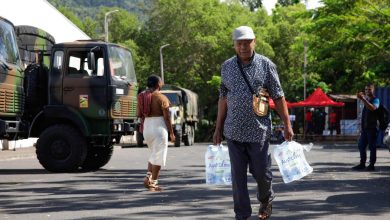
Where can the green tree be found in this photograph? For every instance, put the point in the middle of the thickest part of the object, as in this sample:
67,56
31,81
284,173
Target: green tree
287,40
90,28
252,4
288,2
123,26
71,16
199,34
350,43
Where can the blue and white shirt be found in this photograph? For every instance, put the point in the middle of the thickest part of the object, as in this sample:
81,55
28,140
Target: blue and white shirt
241,123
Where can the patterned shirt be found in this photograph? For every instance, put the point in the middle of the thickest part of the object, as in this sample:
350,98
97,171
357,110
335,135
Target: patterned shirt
241,123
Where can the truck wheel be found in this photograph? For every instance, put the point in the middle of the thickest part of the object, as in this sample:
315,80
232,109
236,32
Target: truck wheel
178,138
140,139
97,157
61,148
189,139
31,85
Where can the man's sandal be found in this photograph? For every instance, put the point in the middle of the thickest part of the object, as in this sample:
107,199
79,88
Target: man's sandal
265,210
153,186
147,179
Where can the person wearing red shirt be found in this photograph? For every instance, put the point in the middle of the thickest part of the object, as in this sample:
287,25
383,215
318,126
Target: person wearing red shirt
309,122
332,122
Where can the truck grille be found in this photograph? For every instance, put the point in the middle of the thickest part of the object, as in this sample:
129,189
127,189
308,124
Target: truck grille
124,108
11,101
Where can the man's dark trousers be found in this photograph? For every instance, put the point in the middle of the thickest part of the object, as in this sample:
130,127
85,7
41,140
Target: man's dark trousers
256,156
368,137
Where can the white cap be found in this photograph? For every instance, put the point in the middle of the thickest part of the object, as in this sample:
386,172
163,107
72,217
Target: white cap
243,33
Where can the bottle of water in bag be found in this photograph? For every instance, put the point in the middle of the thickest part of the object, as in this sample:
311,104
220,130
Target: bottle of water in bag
227,175
210,164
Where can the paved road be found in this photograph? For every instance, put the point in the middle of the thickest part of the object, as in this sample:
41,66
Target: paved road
332,191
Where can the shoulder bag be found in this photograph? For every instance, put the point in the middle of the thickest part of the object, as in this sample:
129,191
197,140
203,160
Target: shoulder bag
260,99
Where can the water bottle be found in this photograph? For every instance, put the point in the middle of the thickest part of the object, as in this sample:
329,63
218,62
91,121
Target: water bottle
218,171
227,175
210,164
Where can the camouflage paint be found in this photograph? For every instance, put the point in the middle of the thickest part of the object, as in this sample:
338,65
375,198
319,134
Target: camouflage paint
31,42
110,101
11,80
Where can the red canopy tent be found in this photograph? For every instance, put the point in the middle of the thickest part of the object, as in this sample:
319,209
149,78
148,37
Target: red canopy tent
272,104
317,99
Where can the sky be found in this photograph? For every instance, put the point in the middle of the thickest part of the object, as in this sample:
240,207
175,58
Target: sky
270,4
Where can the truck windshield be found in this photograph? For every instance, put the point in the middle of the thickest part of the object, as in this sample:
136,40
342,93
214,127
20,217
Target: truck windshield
174,98
121,64
8,46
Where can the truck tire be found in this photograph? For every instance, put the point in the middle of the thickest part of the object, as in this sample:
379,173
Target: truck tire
190,137
61,148
97,157
177,138
140,139
31,86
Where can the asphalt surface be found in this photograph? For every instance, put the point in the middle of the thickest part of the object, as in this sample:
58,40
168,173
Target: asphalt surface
332,191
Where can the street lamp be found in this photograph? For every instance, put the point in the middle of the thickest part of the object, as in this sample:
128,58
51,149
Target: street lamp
161,61
106,23
304,62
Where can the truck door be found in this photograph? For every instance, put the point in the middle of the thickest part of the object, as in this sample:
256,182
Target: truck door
85,90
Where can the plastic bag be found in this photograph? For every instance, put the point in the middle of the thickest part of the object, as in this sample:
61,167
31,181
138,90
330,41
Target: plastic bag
217,161
291,160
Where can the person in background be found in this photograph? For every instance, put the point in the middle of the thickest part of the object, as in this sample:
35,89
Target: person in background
153,109
309,122
248,134
332,122
322,121
369,130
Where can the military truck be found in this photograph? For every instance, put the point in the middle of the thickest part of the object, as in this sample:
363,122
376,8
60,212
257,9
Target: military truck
184,113
78,107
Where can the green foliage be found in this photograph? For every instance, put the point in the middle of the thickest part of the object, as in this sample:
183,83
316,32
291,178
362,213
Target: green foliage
288,2
88,8
252,4
71,16
347,41
123,26
90,28
350,43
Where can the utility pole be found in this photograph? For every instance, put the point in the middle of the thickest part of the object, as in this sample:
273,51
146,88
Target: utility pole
161,61
106,23
304,81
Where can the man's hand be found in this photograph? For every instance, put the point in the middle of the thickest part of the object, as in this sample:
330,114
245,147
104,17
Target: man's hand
172,136
217,137
360,95
222,111
288,133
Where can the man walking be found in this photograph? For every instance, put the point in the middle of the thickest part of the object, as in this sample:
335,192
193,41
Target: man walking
369,130
247,133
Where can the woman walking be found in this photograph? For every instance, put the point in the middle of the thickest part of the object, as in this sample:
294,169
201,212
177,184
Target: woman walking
153,109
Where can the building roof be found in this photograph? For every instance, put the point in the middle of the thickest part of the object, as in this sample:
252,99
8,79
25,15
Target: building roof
41,14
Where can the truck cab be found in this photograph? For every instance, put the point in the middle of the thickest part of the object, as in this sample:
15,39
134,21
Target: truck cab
78,98
91,102
184,113
11,82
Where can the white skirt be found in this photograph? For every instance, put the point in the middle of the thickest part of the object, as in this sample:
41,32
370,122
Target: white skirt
156,137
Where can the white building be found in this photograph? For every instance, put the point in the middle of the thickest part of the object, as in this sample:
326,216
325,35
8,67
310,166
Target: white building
41,14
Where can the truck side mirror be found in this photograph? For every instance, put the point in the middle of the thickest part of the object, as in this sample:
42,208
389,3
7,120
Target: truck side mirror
91,61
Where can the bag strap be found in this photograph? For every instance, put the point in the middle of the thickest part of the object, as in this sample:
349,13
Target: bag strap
244,76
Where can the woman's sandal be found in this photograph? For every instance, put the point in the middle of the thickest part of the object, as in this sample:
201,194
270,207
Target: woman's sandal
147,179
153,186
265,210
